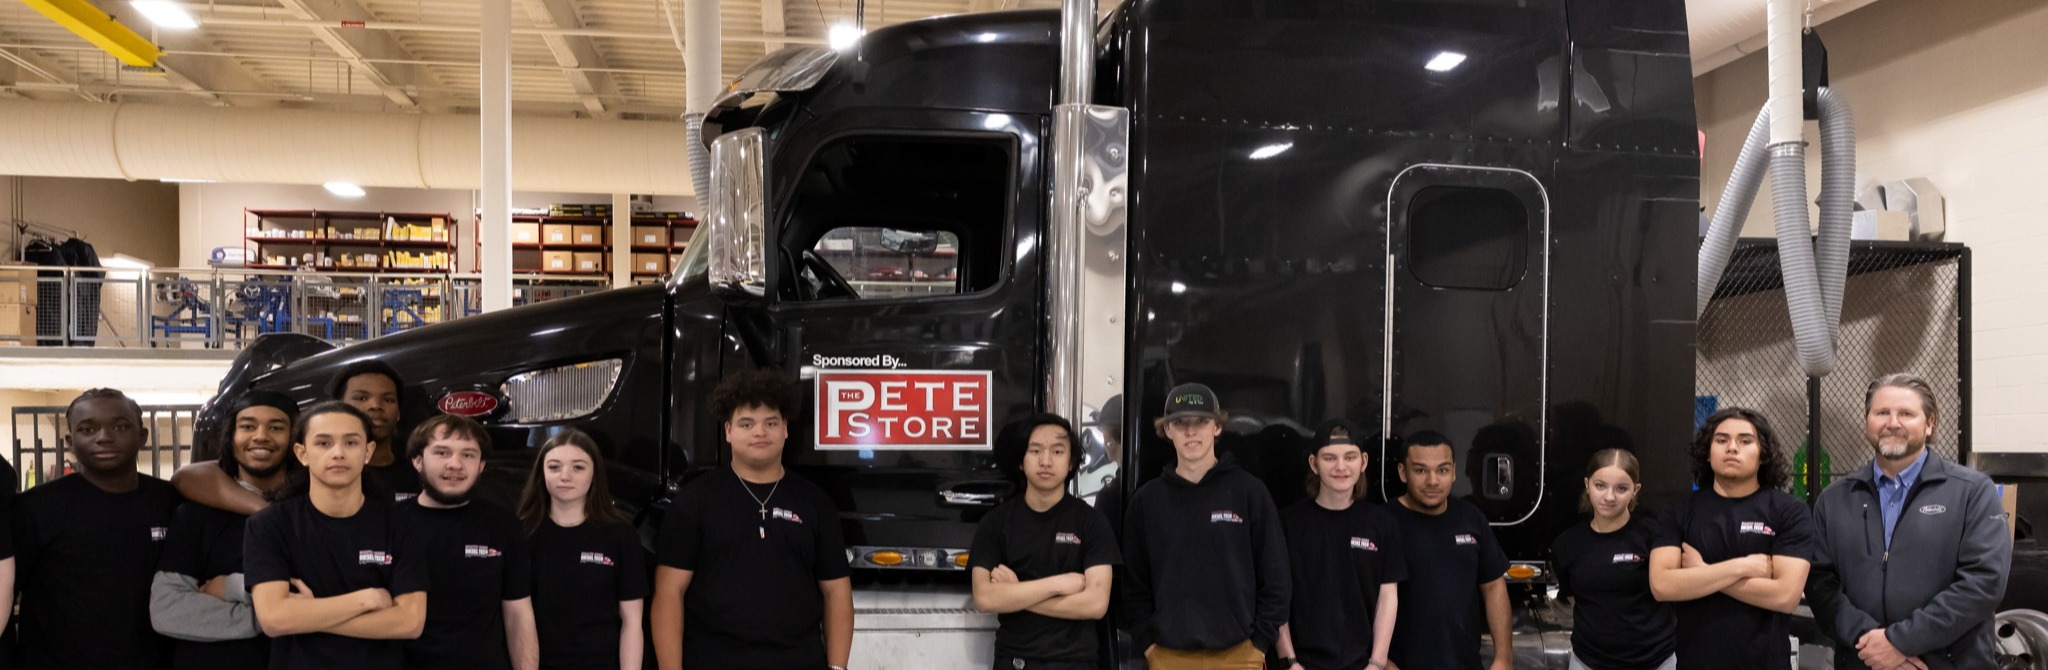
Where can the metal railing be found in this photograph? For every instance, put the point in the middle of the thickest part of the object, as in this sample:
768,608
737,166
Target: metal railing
41,455
220,307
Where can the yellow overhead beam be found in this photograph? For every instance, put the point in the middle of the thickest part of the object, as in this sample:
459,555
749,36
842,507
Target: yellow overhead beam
97,27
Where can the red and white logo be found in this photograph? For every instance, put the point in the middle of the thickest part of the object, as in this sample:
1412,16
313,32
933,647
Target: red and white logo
903,409
1225,516
1628,558
479,551
786,515
367,557
594,558
1464,539
1757,527
468,403
158,533
1066,538
1364,544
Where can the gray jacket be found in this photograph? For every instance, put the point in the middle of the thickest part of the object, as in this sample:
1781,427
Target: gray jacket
1936,592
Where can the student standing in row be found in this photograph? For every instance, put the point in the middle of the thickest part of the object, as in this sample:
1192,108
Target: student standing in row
200,598
482,615
1603,566
1347,564
753,571
1454,564
1042,561
1207,560
1736,555
88,544
337,581
589,574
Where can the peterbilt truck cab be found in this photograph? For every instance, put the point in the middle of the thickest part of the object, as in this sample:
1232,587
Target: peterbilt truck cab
1470,216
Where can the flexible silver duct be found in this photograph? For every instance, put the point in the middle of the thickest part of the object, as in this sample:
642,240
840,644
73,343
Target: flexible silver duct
1837,202
700,155
1810,330
1736,198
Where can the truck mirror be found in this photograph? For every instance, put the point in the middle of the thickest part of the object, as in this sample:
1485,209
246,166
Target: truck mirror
736,212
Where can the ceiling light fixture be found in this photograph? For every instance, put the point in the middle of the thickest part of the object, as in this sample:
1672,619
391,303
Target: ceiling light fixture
843,36
165,14
1271,150
343,189
1445,61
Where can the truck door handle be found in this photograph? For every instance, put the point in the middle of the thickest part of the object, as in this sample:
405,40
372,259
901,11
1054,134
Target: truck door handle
1500,482
974,493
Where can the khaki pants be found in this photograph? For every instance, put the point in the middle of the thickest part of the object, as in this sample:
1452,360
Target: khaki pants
1244,656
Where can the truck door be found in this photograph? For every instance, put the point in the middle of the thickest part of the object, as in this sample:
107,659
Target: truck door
907,289
1467,291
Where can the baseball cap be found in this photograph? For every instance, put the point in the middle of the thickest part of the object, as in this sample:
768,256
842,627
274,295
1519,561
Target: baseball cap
1192,400
1334,433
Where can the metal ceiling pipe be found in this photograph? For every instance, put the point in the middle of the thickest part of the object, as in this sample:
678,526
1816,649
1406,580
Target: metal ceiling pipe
211,19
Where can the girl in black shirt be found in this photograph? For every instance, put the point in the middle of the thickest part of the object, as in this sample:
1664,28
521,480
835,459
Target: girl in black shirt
1603,564
589,574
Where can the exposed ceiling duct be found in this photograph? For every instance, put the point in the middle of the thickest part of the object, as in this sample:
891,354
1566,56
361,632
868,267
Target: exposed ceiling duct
274,146
1725,30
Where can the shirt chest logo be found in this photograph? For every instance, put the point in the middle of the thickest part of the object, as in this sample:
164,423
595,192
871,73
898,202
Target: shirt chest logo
368,557
402,497
1627,558
1757,528
1931,510
1066,538
1464,539
158,533
593,558
1225,516
786,515
479,551
1364,544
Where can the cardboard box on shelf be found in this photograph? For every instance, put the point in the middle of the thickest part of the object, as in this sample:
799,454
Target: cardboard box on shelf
655,263
588,235
557,233
589,261
18,321
526,233
17,287
650,236
557,261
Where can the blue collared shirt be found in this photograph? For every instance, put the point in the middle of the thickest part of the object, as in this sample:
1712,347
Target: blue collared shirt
1891,493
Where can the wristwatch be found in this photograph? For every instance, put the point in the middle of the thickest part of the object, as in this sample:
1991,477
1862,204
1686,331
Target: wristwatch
1287,661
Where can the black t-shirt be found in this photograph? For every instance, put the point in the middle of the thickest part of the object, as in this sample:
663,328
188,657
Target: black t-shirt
371,549
580,575
1340,558
397,481
84,562
753,600
1719,631
476,560
1070,537
206,543
1616,623
1449,555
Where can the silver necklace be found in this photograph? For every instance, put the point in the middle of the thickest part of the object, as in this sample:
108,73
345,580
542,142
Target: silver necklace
762,526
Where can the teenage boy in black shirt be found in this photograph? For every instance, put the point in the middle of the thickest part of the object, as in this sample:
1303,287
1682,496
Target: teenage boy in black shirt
1207,561
337,580
753,572
482,616
1042,561
1453,560
87,545
1347,563
1737,551
200,598
371,387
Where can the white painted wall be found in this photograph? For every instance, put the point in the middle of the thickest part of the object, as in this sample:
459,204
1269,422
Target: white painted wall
1959,97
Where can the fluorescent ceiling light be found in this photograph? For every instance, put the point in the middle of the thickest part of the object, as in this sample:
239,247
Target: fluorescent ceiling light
843,36
343,189
1271,150
165,14
1444,61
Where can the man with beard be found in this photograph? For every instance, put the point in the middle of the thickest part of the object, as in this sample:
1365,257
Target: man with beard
479,614
1454,565
87,546
199,598
1913,553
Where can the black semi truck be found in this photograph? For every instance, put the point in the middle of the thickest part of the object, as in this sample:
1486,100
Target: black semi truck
1471,216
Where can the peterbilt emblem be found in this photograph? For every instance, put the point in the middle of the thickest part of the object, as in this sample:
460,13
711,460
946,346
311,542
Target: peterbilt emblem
468,403
1933,509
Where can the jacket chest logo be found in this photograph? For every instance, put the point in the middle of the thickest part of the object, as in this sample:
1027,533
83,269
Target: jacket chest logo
786,515
1758,528
1628,558
1225,516
1933,509
1364,544
368,557
593,558
158,533
1066,538
1464,539
479,551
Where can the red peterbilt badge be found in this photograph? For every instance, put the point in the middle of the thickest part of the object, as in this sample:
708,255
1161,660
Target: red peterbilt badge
468,403
902,409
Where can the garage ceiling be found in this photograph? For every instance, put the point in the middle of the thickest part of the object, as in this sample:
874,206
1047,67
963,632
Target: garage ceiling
624,62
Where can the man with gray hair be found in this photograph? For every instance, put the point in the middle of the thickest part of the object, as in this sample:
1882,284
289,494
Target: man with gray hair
1914,550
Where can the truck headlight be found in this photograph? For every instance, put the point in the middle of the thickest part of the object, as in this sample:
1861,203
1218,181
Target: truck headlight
560,393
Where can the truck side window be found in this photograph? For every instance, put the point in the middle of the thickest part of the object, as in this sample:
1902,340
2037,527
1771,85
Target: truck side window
889,263
1468,238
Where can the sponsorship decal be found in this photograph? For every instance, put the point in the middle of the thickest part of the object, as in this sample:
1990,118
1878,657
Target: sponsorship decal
1933,509
368,557
1464,539
902,409
158,533
1225,516
1628,558
1364,544
786,515
593,558
472,404
479,551
1757,528
1066,538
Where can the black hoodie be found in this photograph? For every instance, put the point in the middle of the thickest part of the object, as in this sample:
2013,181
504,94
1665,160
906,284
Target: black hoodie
1207,561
